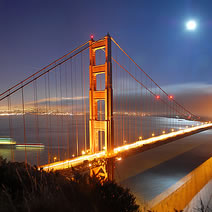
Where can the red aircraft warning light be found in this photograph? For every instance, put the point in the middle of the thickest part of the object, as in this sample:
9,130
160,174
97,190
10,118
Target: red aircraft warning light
92,37
157,97
170,97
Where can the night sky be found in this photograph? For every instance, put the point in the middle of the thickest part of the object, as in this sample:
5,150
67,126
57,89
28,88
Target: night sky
153,33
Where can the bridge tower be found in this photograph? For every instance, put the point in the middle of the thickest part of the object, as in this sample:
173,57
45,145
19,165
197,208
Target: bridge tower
106,125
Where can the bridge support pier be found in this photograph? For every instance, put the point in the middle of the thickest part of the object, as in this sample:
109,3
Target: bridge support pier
95,125
105,171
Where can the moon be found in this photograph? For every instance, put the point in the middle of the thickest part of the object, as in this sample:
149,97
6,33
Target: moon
191,25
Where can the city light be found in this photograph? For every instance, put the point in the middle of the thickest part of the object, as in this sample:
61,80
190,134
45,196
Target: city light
83,152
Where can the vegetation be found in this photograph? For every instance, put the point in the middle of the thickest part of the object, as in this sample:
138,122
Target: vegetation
24,188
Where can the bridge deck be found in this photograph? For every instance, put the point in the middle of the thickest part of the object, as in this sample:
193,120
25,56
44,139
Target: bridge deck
122,150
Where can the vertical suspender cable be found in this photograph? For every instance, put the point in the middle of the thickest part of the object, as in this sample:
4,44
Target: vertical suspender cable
72,106
24,124
49,115
57,114
61,106
36,118
67,116
126,109
137,103
123,106
10,125
140,109
76,115
47,118
128,105
84,102
82,97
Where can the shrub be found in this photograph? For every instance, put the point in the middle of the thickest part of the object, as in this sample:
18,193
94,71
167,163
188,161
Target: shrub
25,188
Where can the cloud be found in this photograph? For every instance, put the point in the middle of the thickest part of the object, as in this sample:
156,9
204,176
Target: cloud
57,100
196,97
197,87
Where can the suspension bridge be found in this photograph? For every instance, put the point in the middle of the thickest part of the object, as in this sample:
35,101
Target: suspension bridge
88,108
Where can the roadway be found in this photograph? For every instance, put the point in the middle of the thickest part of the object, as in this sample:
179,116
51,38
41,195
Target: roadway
126,149
150,173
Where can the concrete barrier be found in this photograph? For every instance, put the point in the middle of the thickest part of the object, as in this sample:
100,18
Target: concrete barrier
178,197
